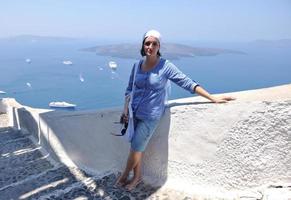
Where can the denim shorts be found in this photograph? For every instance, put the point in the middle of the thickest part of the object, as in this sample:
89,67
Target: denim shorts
143,132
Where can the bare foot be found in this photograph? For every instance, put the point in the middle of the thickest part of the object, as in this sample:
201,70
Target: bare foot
133,183
121,181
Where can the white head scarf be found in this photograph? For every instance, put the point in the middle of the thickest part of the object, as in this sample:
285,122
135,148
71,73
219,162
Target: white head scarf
153,33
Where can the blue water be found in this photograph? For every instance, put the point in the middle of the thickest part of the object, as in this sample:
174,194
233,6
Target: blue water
51,80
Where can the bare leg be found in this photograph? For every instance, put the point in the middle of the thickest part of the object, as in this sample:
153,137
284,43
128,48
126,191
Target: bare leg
136,177
134,158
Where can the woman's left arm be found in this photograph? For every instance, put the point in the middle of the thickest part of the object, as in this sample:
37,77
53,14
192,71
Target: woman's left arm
175,75
222,99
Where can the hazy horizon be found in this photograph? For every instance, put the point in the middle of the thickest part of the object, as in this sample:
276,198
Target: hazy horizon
206,20
112,41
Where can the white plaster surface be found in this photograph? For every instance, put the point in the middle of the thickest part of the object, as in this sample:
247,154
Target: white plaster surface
198,145
3,120
220,151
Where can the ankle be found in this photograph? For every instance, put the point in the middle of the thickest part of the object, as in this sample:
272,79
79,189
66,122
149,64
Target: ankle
135,178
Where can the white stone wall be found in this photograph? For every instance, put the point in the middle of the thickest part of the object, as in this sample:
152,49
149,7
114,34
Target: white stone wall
239,145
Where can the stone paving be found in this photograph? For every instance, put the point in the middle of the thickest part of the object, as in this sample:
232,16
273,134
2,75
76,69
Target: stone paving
25,173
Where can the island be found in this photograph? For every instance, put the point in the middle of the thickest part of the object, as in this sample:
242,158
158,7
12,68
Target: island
171,51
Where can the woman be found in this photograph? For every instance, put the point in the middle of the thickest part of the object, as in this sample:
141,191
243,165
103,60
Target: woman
149,95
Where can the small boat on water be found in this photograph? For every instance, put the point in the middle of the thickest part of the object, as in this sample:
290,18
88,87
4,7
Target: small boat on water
28,84
112,65
81,78
28,60
2,92
61,104
67,62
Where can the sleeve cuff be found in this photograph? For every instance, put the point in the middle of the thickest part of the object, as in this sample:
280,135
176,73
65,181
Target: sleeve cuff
127,94
193,88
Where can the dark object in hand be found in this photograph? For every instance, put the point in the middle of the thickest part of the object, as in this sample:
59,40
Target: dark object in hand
124,121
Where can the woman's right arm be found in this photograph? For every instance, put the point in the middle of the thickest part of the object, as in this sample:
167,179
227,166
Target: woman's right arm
126,102
130,82
127,95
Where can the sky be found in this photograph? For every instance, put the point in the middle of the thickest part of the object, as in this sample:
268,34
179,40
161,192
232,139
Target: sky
208,20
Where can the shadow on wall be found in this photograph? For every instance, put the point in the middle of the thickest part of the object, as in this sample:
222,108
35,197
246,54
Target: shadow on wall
32,123
78,138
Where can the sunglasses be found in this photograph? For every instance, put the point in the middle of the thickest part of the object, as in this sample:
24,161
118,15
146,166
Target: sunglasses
123,131
148,43
123,127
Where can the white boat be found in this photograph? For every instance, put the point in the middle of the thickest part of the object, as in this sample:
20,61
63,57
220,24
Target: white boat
28,60
28,84
81,78
67,62
2,92
112,65
61,104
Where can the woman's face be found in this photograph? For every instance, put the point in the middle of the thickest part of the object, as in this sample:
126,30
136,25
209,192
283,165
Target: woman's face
151,46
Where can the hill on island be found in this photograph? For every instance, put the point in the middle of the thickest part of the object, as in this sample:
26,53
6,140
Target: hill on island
170,50
38,38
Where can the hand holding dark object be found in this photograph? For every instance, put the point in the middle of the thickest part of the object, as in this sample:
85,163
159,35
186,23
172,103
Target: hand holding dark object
123,131
124,119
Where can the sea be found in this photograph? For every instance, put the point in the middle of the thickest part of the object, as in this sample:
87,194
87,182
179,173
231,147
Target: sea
34,74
